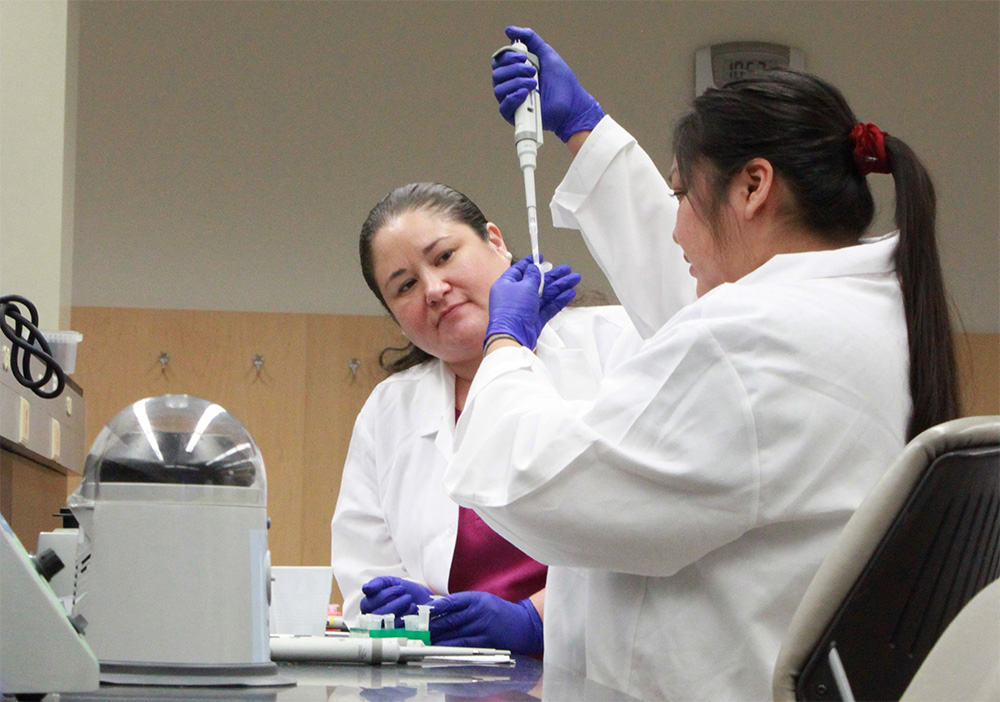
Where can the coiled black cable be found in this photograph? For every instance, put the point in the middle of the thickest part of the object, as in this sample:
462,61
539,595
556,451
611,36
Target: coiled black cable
28,342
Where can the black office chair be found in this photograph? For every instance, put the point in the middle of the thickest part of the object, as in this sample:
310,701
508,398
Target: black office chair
923,543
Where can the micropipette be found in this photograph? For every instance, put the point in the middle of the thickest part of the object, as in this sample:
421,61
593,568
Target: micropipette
528,137
364,650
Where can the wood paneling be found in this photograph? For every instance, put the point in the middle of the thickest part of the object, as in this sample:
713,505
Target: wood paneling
979,373
31,495
333,399
300,408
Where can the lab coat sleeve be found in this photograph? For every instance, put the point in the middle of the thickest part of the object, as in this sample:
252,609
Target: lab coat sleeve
660,469
361,546
614,195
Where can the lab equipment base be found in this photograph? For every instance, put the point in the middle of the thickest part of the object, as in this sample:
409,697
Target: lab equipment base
174,675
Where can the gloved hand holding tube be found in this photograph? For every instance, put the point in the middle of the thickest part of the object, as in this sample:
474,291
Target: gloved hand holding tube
516,310
566,107
392,595
484,620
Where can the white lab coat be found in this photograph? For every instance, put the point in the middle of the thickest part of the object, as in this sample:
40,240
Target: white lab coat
684,510
393,516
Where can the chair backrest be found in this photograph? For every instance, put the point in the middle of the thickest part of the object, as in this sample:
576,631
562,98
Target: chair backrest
924,542
965,662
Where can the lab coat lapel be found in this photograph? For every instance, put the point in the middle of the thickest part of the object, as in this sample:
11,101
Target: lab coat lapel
438,417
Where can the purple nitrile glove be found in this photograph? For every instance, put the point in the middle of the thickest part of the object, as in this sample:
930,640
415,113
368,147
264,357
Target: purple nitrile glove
515,306
391,595
566,107
483,620
560,289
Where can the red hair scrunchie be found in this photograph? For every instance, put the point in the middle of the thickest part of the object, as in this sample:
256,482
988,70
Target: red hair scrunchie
869,148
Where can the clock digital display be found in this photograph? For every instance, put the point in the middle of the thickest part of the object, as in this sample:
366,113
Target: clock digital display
743,67
741,62
717,65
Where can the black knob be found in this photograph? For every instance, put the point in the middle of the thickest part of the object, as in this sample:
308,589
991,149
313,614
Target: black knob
47,563
79,623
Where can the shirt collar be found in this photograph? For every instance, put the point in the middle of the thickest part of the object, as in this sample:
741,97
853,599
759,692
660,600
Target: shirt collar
869,256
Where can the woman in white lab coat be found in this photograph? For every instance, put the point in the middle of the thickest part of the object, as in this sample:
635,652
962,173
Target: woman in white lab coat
688,505
430,256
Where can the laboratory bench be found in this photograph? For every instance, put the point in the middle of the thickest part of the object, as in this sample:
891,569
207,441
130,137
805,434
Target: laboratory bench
527,679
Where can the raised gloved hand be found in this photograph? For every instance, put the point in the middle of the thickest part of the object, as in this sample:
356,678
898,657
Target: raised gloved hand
566,107
515,307
480,619
391,595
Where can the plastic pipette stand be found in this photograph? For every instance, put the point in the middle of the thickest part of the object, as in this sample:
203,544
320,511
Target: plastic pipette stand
383,626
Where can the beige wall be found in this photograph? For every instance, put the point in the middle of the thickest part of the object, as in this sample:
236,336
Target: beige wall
228,151
37,153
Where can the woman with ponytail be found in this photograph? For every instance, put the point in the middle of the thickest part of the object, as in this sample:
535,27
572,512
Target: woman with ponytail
685,509
819,150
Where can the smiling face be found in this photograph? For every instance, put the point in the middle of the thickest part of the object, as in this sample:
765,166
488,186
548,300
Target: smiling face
435,276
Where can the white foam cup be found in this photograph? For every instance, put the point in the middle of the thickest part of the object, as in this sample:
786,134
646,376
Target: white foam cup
300,599
63,346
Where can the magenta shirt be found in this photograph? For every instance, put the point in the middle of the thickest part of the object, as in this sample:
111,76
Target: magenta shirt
485,561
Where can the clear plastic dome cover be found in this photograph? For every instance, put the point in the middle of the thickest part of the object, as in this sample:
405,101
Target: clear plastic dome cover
173,439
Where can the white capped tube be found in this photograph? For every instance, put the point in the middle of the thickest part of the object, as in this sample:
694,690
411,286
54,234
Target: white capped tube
424,617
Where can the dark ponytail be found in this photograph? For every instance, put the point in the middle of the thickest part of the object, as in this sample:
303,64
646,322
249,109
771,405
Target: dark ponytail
933,374
803,126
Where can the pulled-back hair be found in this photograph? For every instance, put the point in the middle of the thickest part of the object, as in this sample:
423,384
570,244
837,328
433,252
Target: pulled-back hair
434,198
802,126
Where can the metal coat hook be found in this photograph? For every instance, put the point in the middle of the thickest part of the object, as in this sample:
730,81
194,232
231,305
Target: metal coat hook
258,362
354,364
164,359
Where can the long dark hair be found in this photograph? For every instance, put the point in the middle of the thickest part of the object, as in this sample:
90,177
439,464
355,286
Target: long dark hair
438,199
801,125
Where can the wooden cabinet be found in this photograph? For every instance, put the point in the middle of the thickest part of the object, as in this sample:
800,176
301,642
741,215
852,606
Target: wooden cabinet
41,444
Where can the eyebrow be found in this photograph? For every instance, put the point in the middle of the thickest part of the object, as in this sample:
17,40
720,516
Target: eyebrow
395,274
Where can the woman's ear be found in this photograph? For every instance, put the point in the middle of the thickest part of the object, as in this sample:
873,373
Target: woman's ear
754,187
495,238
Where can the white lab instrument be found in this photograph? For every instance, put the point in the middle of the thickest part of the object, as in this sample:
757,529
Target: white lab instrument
62,542
528,137
41,650
173,568
360,649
